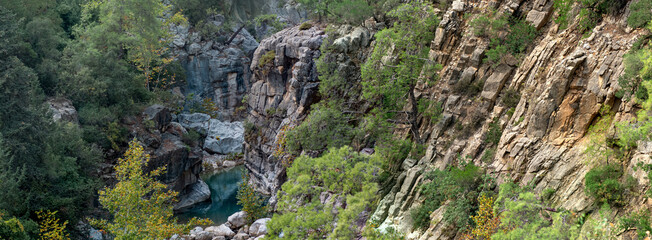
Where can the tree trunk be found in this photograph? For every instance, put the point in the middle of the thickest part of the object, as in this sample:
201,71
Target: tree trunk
234,35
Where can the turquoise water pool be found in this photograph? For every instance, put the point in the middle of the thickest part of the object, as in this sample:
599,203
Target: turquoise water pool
224,187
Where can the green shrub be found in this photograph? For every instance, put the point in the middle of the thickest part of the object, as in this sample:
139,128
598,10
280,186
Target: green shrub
267,59
342,173
270,20
631,80
251,132
324,128
603,184
563,7
459,184
481,26
588,19
524,216
511,98
191,138
520,35
496,53
547,194
489,155
12,228
640,14
494,133
421,215
305,26
430,109
639,220
393,152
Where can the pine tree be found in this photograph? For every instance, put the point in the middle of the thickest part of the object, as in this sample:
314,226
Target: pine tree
390,81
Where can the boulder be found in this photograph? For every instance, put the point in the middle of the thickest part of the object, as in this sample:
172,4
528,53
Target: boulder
458,6
229,164
176,129
241,236
224,137
195,193
95,234
196,230
495,82
221,230
259,227
204,236
537,18
194,48
63,110
195,121
237,220
159,114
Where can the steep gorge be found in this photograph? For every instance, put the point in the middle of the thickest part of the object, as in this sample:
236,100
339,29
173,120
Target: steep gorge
563,81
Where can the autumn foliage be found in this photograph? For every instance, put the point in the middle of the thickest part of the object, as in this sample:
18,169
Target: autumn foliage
486,223
50,227
140,205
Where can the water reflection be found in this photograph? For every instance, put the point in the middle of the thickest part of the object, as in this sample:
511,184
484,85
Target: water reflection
224,187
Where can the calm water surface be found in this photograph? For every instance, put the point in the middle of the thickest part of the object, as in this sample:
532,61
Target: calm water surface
224,187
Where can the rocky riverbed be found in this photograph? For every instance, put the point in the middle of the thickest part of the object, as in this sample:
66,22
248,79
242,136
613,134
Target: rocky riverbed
235,228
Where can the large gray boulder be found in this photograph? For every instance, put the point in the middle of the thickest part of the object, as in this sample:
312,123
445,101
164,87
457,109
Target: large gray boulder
259,227
224,137
195,193
221,230
195,121
237,220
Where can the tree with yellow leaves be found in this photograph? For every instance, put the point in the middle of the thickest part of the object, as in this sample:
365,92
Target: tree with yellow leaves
49,226
486,223
140,205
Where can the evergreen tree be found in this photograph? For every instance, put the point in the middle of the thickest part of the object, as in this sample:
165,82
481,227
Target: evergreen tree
390,81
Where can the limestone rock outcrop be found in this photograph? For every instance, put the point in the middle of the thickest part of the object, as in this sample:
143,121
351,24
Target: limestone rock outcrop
282,90
63,110
563,82
224,137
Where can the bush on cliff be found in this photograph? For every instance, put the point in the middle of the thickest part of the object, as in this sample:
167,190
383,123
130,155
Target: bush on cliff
604,185
324,197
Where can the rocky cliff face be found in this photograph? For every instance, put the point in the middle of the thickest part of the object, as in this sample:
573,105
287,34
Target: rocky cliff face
218,69
284,85
563,81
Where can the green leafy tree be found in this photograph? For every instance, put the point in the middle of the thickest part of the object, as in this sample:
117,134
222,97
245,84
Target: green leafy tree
47,164
140,205
325,127
324,197
12,228
523,216
390,81
640,14
603,183
138,29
